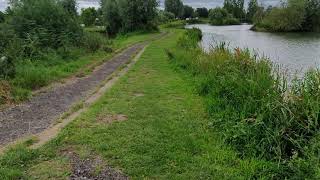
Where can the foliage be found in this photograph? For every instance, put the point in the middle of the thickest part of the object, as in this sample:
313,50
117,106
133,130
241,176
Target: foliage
220,16
235,8
190,39
44,23
203,12
2,17
129,15
138,14
89,16
178,24
7,67
312,16
111,15
174,6
94,41
253,8
70,6
296,15
188,11
164,17
256,111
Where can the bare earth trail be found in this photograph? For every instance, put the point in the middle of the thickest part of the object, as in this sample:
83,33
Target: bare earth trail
43,110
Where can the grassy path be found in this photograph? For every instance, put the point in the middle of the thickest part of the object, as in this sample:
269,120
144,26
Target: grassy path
150,125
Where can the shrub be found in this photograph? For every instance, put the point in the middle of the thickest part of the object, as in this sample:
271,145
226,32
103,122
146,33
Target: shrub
45,21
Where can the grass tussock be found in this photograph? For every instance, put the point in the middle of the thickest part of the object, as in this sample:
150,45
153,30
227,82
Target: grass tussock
253,107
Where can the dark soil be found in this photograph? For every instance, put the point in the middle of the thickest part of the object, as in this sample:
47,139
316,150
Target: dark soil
92,168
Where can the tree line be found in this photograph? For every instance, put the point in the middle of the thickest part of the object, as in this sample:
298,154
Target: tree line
291,15
232,11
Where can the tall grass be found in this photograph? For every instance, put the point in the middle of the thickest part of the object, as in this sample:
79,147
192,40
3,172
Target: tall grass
253,107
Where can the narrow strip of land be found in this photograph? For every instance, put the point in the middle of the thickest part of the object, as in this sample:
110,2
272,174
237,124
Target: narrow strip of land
43,110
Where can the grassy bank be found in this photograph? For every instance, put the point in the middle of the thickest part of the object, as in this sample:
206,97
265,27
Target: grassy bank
151,125
253,107
55,66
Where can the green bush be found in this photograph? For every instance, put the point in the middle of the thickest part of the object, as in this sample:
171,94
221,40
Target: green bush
44,22
254,108
220,16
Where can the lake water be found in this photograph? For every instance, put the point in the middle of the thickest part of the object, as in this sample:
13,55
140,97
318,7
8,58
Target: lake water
296,52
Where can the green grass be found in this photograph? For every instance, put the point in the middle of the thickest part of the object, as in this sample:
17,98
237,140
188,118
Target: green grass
52,67
168,134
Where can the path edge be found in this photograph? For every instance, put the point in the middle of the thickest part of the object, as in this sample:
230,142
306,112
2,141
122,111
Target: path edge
76,110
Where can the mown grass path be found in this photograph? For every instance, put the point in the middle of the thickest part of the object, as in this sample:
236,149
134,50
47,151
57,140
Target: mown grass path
150,125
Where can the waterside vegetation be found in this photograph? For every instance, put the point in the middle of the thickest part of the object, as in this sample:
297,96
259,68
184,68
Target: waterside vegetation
253,107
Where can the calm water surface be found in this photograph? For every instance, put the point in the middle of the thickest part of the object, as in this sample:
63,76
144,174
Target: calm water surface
296,52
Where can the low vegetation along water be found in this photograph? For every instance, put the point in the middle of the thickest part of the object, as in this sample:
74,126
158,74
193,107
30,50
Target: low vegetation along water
296,52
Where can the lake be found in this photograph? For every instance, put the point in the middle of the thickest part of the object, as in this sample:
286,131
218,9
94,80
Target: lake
296,52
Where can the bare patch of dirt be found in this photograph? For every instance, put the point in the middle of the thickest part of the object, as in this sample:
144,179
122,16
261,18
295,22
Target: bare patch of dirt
138,94
5,97
110,118
92,168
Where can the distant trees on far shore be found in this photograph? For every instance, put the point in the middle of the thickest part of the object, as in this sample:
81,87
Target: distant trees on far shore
294,15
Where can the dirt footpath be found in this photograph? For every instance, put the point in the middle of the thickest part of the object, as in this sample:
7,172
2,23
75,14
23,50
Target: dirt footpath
41,111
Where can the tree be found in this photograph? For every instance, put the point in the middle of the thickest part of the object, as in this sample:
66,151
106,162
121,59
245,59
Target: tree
217,16
2,17
89,16
312,18
138,14
174,6
111,16
129,15
236,8
70,6
203,12
220,16
289,17
188,11
253,7
164,16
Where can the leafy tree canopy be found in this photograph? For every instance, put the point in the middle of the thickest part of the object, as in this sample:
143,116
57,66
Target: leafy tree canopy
174,6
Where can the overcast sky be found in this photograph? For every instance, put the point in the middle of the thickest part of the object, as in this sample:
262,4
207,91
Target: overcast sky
194,3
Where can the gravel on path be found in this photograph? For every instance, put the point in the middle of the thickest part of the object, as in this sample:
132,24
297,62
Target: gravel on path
41,111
